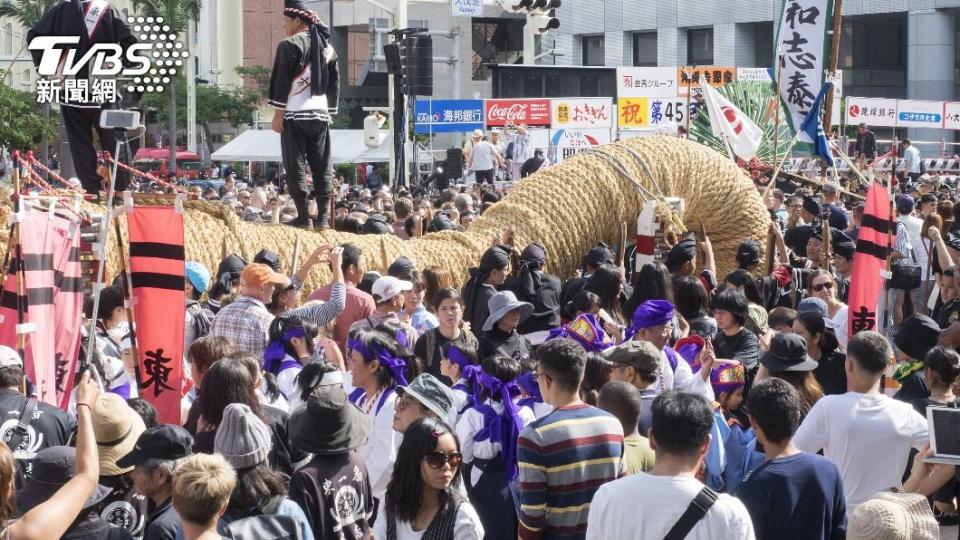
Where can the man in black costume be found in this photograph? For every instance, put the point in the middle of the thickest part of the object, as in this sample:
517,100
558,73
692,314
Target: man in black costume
96,22
304,89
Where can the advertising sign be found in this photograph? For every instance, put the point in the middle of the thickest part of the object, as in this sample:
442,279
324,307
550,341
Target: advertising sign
636,113
532,112
872,111
919,114
567,142
581,113
466,8
951,115
646,82
448,115
716,76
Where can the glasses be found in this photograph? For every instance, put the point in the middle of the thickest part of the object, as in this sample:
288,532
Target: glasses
821,286
402,402
436,459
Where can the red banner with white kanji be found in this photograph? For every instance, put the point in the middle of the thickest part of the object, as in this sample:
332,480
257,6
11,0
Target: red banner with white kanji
870,261
49,257
157,276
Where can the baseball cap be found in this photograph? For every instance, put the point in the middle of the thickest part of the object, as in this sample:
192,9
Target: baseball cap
166,442
387,287
641,355
9,357
258,275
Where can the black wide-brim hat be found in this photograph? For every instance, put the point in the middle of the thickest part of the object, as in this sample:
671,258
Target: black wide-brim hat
915,336
52,468
329,423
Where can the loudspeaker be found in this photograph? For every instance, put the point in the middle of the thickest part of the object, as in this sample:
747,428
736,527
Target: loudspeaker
454,166
394,62
418,65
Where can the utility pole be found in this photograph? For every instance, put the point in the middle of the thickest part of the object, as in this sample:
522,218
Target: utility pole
529,41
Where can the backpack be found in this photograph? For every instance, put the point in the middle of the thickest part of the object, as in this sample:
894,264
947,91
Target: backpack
202,318
264,526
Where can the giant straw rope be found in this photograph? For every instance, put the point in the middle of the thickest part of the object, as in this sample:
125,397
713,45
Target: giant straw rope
567,209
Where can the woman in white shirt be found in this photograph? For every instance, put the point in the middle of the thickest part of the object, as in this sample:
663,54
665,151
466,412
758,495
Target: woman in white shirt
459,364
488,433
377,365
822,285
422,500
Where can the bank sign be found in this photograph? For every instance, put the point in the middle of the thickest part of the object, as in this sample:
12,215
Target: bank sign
448,115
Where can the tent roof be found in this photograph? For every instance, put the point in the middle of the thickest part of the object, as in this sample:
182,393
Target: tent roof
347,146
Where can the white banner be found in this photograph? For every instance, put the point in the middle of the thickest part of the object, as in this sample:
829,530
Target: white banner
753,75
567,142
647,82
872,111
919,114
581,113
951,115
801,46
466,8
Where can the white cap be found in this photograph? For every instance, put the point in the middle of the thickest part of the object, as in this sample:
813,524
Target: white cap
478,133
9,357
387,287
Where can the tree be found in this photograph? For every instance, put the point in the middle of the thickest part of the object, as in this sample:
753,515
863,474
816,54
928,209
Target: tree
176,14
214,104
21,124
259,76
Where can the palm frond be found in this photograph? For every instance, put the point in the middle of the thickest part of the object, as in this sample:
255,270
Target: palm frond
25,12
757,101
175,13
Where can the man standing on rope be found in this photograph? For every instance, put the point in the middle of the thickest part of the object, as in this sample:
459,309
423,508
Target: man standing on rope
96,22
304,90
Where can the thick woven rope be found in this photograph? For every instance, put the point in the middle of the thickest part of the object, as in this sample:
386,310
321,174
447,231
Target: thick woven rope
567,208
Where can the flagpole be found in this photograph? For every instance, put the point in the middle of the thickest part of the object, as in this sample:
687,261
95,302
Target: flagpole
834,57
776,172
776,102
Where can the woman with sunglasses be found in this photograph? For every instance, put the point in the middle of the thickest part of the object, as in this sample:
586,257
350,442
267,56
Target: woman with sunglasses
822,285
422,499
822,346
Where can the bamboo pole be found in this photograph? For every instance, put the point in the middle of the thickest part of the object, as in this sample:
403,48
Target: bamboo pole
834,57
128,301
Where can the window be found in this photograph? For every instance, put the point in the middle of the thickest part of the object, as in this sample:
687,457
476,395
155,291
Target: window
763,44
645,49
592,47
495,41
873,55
6,38
700,46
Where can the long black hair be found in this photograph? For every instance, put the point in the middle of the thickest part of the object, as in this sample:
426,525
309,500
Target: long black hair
605,282
815,324
281,325
504,368
255,487
310,376
742,278
652,282
692,300
405,490
227,381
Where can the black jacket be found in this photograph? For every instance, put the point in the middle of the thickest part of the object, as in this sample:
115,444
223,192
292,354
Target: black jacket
498,342
50,426
866,145
293,56
546,303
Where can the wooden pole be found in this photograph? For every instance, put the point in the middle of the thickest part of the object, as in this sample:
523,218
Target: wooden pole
128,297
18,257
776,102
834,57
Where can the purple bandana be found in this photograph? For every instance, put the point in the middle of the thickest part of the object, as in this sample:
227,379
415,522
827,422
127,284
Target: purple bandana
505,427
394,364
650,313
587,330
274,355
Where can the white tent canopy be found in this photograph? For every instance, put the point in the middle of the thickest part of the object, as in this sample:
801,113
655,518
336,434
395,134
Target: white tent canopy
347,146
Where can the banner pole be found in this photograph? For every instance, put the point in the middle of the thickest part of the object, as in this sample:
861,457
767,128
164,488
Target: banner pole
832,69
128,304
18,257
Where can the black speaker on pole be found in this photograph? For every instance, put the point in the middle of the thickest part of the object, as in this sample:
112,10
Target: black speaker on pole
454,166
418,65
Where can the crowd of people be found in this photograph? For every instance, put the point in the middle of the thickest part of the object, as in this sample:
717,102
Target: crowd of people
656,402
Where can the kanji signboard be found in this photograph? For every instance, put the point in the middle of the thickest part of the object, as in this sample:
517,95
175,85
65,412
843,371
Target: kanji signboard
448,115
646,82
581,113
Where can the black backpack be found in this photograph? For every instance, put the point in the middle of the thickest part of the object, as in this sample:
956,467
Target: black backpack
202,318
266,525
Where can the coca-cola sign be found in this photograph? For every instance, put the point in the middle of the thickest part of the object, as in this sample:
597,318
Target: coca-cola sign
532,112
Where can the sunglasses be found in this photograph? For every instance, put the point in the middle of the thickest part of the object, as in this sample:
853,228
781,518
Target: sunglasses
822,286
436,459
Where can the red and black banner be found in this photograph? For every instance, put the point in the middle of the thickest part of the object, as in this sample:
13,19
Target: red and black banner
51,303
870,260
157,277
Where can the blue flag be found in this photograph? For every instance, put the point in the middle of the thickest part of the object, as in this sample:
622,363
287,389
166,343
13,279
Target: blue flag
811,131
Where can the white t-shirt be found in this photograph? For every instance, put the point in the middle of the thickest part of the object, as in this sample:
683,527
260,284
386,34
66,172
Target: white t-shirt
646,507
840,326
470,423
482,156
380,452
868,437
466,527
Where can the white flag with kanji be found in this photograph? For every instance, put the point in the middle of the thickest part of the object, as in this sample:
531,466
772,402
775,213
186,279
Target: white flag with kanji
729,122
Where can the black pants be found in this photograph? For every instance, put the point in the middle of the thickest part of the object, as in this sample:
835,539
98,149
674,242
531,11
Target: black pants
492,499
303,142
486,175
80,123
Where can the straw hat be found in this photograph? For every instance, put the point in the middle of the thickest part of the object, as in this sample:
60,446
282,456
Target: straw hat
893,516
116,428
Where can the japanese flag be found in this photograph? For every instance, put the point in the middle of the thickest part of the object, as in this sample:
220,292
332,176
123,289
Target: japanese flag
727,121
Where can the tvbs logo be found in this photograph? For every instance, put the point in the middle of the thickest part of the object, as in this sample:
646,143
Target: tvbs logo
59,57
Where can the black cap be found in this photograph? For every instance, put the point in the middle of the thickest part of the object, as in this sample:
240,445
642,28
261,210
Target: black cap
811,205
916,335
788,352
402,268
377,224
842,244
748,253
166,442
268,258
599,254
50,470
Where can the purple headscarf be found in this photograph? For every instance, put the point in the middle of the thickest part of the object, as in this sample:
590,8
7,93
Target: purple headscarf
650,313
385,357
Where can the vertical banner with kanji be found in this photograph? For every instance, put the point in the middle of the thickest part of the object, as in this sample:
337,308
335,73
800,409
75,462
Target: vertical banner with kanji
157,277
52,333
869,261
803,44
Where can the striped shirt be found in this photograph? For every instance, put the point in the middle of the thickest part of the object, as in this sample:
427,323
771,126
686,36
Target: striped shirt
564,458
